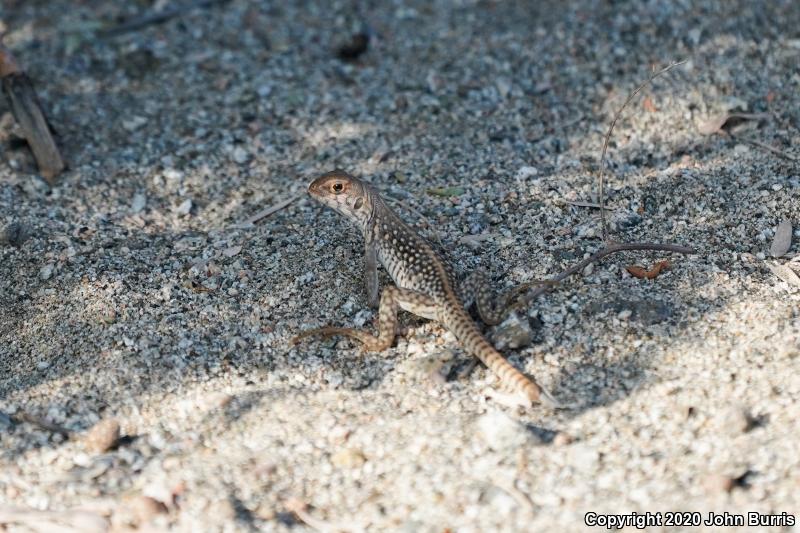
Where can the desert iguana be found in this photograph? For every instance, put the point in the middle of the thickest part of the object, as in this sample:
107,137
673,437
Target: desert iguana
425,283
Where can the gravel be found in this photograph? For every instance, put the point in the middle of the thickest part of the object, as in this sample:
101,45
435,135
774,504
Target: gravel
130,292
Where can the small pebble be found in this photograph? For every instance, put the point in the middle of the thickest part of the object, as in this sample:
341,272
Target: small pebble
138,203
562,439
625,220
222,510
102,436
134,123
185,207
715,483
733,421
144,509
240,155
527,172
348,458
46,272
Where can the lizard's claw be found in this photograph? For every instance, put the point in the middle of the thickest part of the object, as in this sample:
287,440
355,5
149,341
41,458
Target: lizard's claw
547,400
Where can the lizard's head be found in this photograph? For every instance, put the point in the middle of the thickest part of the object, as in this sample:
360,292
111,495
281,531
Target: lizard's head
345,194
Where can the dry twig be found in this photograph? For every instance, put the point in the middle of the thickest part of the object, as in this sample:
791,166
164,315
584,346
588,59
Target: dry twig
617,116
614,247
267,212
597,256
765,146
158,18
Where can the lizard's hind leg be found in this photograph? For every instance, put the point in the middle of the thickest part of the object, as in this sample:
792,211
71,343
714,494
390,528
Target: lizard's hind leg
392,298
492,307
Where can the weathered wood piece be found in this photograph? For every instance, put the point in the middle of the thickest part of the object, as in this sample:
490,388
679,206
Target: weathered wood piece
28,113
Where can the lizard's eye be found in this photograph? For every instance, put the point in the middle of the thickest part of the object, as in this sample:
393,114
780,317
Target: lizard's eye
337,187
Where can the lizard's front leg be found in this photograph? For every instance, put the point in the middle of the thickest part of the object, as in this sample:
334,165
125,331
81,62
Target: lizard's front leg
392,299
371,274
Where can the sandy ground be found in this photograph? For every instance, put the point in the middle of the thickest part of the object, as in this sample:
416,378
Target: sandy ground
127,295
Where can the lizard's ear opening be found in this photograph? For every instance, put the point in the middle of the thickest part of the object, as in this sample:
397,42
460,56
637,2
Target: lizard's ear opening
358,203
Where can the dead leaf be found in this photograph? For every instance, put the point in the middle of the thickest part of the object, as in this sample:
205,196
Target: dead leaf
639,272
716,123
648,105
786,274
782,240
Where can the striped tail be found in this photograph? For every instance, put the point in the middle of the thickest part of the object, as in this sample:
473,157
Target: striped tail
467,333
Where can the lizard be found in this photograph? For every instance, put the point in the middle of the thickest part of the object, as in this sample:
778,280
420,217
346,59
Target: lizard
425,284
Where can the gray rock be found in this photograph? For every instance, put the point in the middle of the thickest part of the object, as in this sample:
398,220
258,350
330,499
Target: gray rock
514,332
622,220
138,203
13,234
782,240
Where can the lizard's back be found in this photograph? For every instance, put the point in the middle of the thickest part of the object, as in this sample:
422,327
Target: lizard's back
410,260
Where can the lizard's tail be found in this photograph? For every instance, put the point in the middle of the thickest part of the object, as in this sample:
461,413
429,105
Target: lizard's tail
470,337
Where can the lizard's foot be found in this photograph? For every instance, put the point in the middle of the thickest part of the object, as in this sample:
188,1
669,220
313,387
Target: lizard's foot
467,368
523,399
325,333
391,300
369,342
547,400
